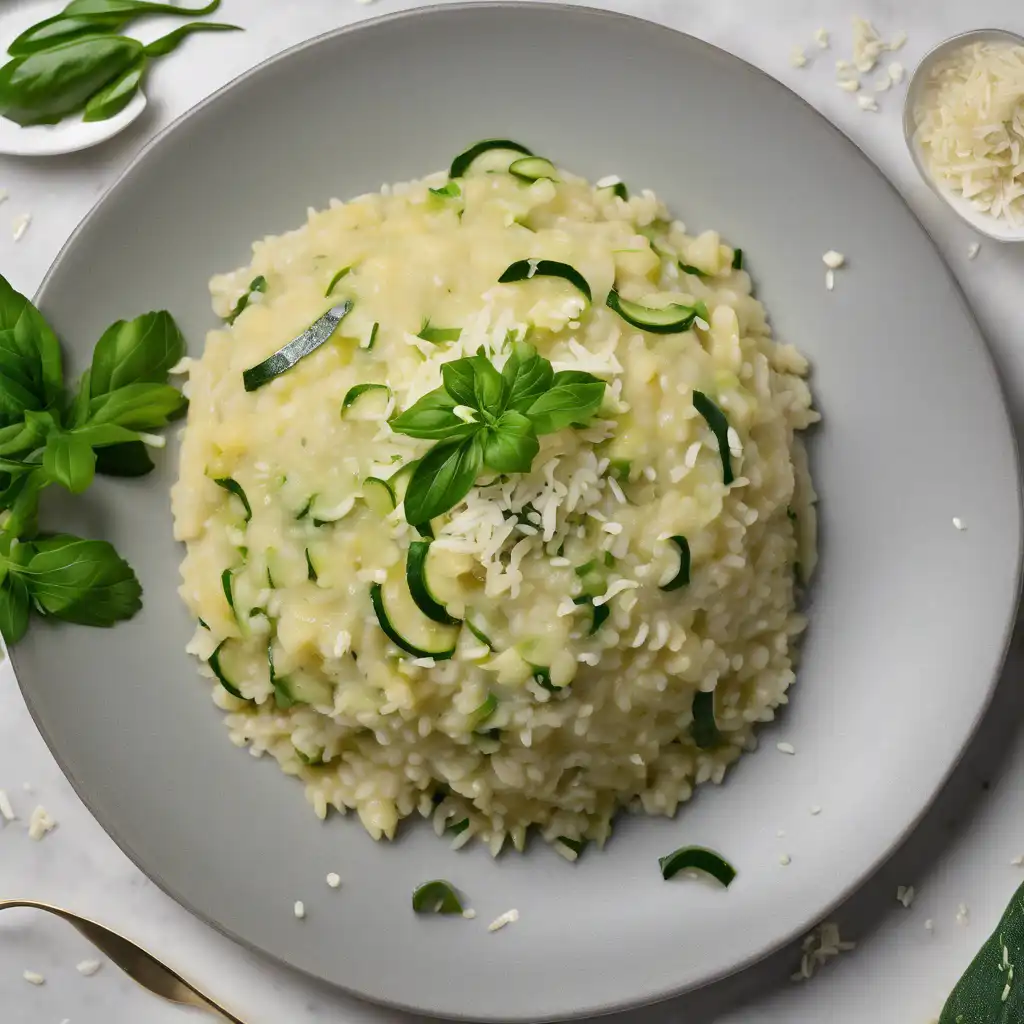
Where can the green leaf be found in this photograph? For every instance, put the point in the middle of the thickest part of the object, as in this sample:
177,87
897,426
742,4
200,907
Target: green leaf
170,42
527,375
443,478
124,460
511,445
69,461
31,376
459,377
133,8
432,418
62,29
991,990
138,351
102,435
488,387
574,396
22,500
14,609
137,406
113,98
257,284
45,86
83,581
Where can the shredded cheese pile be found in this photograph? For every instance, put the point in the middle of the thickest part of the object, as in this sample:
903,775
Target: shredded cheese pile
970,126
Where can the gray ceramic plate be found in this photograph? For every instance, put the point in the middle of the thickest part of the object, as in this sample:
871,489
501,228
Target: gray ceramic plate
910,616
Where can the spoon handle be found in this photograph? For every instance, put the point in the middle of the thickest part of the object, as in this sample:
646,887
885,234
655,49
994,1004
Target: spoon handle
139,965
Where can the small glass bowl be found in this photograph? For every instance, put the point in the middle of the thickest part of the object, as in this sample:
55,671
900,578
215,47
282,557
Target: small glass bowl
998,228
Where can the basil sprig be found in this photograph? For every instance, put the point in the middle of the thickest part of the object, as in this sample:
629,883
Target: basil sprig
483,419
47,438
87,17
46,85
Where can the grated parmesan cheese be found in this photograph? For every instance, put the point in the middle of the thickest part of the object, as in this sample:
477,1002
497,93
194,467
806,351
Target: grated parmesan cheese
87,968
797,57
6,810
970,127
905,894
33,977
823,944
20,226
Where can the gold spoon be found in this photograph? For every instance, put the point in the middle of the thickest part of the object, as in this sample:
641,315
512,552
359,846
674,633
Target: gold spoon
139,965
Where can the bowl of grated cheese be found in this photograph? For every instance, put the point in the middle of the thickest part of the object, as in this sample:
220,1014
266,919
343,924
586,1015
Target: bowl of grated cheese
964,125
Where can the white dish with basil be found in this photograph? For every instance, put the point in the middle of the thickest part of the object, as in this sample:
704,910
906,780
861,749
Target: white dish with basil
512,536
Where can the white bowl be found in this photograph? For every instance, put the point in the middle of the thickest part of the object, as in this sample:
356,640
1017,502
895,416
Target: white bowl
997,228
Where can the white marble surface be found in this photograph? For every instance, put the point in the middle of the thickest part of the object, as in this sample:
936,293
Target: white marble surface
960,853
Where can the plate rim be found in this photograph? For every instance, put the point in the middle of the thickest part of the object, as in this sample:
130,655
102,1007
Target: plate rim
988,359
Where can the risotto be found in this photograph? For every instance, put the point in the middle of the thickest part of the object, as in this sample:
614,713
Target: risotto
512,533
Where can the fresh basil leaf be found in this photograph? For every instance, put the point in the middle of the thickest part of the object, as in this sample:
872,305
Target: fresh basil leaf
45,86
257,284
527,375
574,396
170,42
78,412
130,8
21,499
113,98
124,460
31,376
443,478
137,406
83,581
102,435
489,387
138,351
14,609
511,445
69,461
459,377
432,418
62,28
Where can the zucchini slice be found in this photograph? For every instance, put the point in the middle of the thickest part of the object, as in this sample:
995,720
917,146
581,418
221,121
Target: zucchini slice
438,335
449,191
234,487
437,897
379,496
343,273
671,319
405,625
599,612
704,728
480,635
464,160
682,577
697,858
715,419
526,270
298,687
737,259
257,284
372,340
416,577
367,401
307,342
227,674
533,168
329,508
616,188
